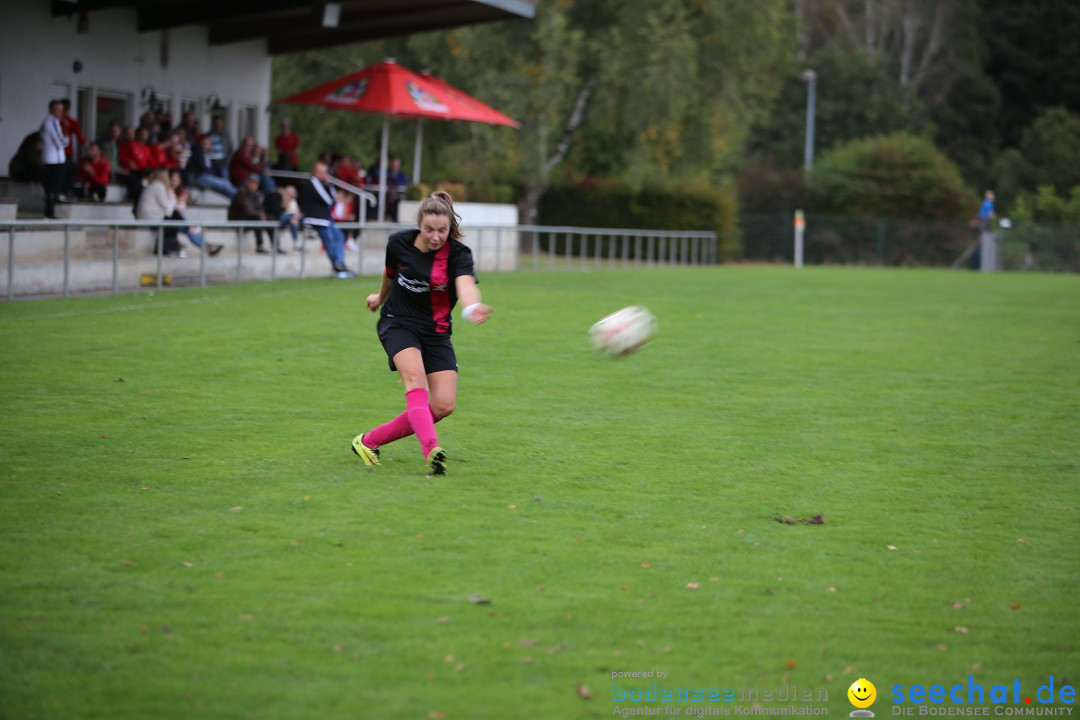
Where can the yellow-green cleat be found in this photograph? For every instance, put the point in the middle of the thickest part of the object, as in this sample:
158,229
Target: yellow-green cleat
370,456
436,461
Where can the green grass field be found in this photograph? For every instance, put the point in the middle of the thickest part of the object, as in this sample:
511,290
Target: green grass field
184,532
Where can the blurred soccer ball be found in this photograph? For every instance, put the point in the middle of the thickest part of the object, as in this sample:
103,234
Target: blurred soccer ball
623,331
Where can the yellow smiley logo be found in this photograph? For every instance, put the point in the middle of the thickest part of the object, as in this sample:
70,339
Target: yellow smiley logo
862,693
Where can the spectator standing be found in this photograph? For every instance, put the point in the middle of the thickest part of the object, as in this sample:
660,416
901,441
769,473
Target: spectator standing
200,170
94,173
73,132
396,182
287,143
315,204
986,212
247,204
54,143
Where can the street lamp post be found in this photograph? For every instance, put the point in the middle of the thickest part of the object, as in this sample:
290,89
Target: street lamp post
810,76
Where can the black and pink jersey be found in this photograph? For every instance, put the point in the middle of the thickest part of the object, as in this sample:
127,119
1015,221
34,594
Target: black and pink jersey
424,290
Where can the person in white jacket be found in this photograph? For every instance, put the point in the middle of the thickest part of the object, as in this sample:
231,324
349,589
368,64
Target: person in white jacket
53,157
158,201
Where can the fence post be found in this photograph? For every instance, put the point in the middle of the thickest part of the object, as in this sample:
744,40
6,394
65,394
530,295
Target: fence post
498,249
239,252
879,245
67,257
11,264
115,259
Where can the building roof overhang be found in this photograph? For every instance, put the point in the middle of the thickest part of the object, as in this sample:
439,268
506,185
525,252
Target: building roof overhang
296,25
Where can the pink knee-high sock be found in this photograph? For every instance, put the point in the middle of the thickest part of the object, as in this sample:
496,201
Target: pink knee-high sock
398,428
421,419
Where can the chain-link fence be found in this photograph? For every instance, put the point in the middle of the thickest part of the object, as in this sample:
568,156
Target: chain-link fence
892,242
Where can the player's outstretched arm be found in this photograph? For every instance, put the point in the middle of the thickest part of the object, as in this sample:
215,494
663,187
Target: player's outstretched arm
468,294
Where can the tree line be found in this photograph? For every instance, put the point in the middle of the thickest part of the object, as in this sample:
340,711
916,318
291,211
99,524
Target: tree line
710,95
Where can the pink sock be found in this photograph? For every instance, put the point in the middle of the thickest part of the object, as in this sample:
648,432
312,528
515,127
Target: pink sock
398,428
423,424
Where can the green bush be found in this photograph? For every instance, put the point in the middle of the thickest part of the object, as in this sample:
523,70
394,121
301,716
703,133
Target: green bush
898,175
612,204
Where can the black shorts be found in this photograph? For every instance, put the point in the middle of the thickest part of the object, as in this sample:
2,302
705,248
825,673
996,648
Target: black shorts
435,349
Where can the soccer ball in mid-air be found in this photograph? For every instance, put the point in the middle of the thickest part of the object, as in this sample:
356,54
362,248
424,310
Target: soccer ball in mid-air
623,331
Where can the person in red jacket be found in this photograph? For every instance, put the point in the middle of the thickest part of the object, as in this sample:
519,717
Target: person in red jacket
135,159
72,131
94,171
287,143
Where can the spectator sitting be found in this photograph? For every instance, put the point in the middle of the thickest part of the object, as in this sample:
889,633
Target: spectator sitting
282,206
347,170
247,204
158,202
159,155
176,184
258,159
315,203
179,150
110,146
221,146
94,173
287,143
26,164
343,211
245,162
135,160
148,121
200,170
189,123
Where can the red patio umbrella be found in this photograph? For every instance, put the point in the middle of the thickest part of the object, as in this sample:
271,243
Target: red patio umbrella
390,90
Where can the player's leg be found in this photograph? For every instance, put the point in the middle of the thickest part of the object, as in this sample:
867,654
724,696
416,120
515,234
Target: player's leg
442,388
410,365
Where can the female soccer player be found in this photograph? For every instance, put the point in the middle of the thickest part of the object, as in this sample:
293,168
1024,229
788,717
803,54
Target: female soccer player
427,271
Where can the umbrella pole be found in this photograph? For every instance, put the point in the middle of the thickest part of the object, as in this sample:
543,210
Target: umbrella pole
382,168
416,153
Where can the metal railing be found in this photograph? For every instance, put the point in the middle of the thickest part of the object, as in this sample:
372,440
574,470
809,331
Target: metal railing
904,242
495,248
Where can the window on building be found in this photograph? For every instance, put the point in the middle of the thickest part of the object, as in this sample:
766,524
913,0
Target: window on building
111,107
246,121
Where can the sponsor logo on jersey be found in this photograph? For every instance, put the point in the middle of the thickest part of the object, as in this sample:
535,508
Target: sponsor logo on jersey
415,286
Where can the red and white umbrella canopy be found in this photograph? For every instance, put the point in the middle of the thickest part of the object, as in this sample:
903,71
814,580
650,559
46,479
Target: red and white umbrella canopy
390,90
387,88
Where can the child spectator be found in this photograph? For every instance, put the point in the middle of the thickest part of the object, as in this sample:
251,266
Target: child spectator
94,173
282,206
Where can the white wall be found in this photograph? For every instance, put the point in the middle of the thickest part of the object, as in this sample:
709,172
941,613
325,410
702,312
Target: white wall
37,51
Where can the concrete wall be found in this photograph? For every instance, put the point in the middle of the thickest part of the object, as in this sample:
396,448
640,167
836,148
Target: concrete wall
38,52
